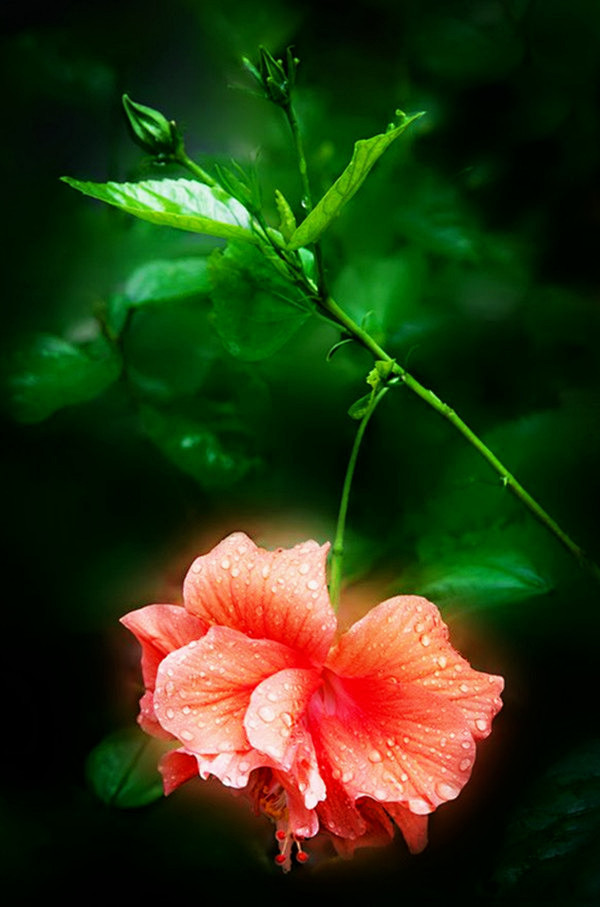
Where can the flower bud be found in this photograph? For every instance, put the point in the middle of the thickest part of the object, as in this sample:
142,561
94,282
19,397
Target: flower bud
275,80
151,130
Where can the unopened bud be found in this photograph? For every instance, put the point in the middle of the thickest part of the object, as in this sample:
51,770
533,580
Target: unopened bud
151,130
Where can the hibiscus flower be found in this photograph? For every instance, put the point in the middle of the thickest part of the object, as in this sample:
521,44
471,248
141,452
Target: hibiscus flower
348,737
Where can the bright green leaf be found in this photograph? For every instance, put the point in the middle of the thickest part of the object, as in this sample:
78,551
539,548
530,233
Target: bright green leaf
360,407
366,153
49,373
550,854
287,221
256,309
123,768
215,452
184,204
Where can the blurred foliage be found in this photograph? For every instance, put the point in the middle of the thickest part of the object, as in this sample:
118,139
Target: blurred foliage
470,252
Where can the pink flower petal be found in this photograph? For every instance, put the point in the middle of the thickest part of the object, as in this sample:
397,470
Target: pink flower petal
232,769
177,767
413,827
378,829
160,629
394,743
406,638
279,595
203,690
275,726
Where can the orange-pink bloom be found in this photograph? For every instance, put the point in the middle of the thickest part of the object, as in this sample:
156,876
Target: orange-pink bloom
348,737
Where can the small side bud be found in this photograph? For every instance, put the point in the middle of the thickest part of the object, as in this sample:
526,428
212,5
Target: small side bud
274,79
151,130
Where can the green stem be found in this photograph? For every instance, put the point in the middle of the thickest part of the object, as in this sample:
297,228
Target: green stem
186,161
307,203
337,551
432,400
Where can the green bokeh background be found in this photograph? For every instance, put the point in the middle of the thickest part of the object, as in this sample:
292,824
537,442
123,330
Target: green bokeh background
475,244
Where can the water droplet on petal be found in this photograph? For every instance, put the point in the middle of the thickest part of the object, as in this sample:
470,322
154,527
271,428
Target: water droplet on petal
381,794
266,713
170,713
225,563
304,569
425,640
347,776
419,807
481,724
287,719
197,566
374,756
464,765
442,661
272,696
265,571
235,571
463,688
187,735
312,584
447,791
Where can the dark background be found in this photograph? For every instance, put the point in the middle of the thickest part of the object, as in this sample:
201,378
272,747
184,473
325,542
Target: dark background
494,211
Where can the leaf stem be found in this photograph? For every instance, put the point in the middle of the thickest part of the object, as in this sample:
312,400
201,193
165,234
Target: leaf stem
432,400
337,551
185,160
307,202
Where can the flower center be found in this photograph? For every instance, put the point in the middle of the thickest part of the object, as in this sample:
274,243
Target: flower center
271,799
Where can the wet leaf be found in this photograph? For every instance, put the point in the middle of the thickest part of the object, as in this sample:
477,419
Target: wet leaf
48,373
122,769
366,153
184,204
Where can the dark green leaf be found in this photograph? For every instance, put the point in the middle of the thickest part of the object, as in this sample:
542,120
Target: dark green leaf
161,280
550,854
122,769
216,453
481,576
184,204
49,373
366,153
256,309
169,350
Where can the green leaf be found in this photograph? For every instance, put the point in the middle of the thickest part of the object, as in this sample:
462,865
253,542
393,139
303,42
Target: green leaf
184,204
256,309
550,854
366,153
161,280
287,221
123,768
360,407
49,373
480,578
215,452
169,350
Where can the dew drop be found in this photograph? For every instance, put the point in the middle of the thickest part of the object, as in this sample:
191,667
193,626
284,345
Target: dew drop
235,571
265,571
272,696
312,584
225,563
464,765
466,745
463,688
381,794
287,719
170,713
481,724
347,777
447,791
197,567
304,569
442,661
267,714
187,735
186,710
374,756
425,640
419,807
